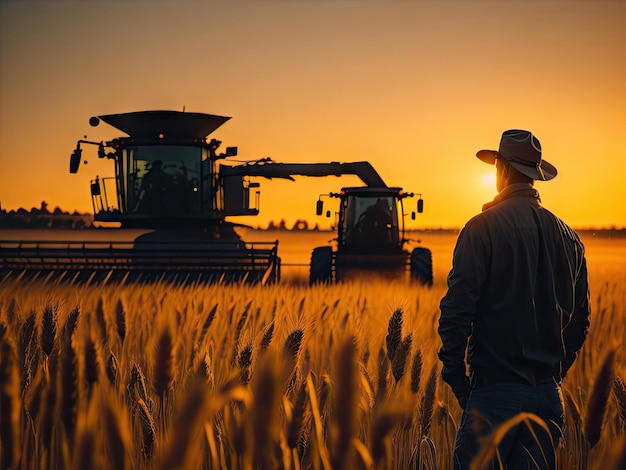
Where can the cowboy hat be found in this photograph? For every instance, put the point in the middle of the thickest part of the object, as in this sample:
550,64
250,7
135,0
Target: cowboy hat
522,150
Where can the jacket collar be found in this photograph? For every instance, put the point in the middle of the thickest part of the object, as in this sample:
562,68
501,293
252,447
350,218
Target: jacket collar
513,190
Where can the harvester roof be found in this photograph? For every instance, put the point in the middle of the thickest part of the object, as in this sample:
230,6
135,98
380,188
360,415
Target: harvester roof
172,124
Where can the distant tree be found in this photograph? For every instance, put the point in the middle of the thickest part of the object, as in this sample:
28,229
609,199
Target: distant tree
44,207
282,224
300,225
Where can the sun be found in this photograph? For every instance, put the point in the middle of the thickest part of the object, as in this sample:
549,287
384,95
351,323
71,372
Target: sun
489,179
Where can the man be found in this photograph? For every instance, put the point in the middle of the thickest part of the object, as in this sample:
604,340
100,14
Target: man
155,187
518,304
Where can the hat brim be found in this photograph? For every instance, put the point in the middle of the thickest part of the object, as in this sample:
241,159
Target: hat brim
548,171
487,156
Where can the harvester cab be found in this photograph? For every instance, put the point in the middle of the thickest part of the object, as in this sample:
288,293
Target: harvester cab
166,172
370,237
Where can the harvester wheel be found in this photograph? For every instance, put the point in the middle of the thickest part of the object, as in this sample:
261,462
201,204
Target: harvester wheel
422,266
321,269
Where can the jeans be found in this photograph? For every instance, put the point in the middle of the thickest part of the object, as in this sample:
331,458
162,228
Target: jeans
521,447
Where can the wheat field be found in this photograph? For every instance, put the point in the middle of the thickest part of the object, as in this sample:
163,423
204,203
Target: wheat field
281,376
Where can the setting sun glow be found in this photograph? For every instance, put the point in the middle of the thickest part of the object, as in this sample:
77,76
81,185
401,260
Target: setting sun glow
489,179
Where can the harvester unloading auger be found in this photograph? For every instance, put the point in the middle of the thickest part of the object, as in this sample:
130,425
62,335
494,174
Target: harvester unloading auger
168,180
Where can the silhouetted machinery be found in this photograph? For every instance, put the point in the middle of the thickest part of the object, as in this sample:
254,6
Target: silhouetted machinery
170,179
370,238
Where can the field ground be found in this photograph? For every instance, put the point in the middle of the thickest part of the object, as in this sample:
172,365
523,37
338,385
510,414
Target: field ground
291,376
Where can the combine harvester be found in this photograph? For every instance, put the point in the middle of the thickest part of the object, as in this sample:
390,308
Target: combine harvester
168,182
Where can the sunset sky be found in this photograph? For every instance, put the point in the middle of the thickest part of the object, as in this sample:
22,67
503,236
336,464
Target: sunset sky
414,87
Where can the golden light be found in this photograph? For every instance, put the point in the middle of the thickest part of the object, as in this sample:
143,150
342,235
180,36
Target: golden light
489,179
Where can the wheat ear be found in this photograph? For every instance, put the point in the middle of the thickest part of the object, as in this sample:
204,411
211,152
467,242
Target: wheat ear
394,333
619,390
163,370
416,370
428,401
148,428
596,406
120,320
48,329
398,364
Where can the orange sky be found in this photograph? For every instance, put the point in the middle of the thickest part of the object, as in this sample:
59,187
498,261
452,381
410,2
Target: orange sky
415,87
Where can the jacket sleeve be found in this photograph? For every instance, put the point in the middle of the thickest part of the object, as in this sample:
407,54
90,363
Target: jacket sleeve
458,307
576,330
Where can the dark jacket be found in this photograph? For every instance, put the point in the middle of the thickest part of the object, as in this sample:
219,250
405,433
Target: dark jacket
518,296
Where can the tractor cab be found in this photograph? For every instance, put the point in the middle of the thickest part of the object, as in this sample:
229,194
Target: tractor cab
165,171
370,219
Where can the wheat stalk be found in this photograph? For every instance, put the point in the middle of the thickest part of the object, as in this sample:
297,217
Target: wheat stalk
346,400
596,406
84,450
69,386
384,422
266,393
322,452
9,406
50,409
116,432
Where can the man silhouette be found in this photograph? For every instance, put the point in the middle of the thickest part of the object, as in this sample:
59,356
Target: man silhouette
517,307
155,186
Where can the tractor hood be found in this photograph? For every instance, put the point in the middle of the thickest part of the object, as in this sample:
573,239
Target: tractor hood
172,124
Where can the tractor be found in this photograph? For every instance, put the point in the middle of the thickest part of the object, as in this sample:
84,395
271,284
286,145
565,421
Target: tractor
370,238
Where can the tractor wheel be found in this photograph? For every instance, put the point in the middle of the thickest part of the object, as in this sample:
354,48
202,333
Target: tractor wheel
422,266
321,269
